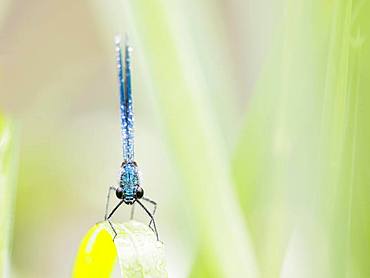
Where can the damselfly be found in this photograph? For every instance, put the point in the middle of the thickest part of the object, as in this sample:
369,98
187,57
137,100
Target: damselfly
129,190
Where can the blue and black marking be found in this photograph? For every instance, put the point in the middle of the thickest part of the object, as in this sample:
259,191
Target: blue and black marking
126,104
129,190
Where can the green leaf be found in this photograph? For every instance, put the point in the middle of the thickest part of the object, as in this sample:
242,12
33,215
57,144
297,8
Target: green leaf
139,253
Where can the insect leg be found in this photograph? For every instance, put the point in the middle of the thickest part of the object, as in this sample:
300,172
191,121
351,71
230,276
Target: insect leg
110,215
154,208
151,217
132,211
113,229
111,188
114,210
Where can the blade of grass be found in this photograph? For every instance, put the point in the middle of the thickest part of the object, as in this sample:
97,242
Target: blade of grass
8,169
348,226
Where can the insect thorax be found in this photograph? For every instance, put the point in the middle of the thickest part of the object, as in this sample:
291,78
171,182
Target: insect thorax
129,181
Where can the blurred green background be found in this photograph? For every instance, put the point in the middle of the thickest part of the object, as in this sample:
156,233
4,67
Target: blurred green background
252,132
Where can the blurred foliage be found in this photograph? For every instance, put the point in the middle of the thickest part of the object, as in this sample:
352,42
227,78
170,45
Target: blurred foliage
252,130
300,166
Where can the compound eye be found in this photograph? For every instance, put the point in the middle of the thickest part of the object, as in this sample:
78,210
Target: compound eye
139,192
119,193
